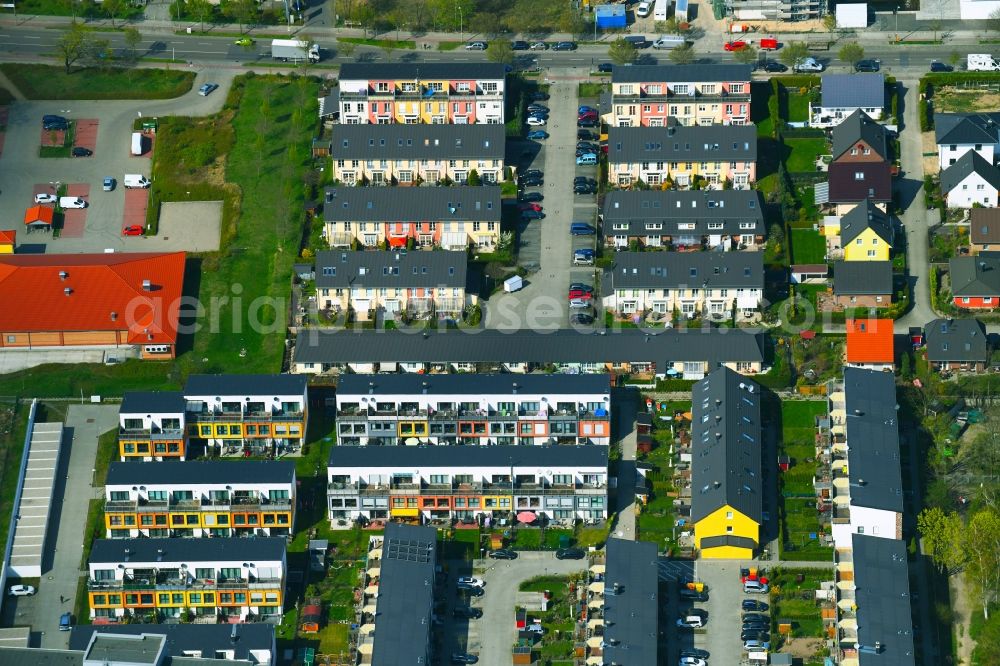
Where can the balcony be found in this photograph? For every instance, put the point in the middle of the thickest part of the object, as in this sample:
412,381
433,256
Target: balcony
158,506
154,434
344,488
236,415
675,98
177,584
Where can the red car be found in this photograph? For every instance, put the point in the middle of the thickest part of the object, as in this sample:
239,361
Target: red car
590,115
734,46
132,230
580,293
530,206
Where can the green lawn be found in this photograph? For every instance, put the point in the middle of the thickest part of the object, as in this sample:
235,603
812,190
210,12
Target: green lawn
793,599
382,43
804,152
800,520
808,247
64,149
51,82
107,451
798,108
14,417
655,520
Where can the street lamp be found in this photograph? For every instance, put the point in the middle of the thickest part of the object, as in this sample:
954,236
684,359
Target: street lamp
895,13
461,26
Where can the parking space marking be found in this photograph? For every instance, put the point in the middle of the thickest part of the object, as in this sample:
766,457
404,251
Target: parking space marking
136,201
86,133
75,219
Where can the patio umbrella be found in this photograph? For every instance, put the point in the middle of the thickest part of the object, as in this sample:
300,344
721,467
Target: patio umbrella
526,517
411,441
595,641
367,629
597,569
595,660
369,608
597,586
371,589
366,648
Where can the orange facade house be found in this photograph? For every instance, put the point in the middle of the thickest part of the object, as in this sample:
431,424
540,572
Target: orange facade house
870,344
92,300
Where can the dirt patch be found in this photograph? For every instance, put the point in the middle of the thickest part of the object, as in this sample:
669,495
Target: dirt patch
959,100
928,148
53,138
803,648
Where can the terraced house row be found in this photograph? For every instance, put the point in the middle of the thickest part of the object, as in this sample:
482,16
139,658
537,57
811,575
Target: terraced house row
655,95
232,414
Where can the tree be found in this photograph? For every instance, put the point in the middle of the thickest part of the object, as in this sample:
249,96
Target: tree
201,10
982,550
993,22
794,52
132,38
346,49
935,26
746,55
622,52
682,55
573,23
830,22
473,180
71,45
851,53
500,51
244,11
942,536
955,57
113,8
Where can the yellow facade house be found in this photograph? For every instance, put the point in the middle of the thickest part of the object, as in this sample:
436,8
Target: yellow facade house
866,233
726,489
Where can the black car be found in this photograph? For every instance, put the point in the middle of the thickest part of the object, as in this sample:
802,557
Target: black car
582,319
588,122
571,554
56,125
531,173
462,658
774,66
866,66
467,613
584,180
755,626
585,135
605,67
473,591
584,188
693,595
754,605
696,653
532,215
519,45
503,554
533,181
49,118
588,146
755,636
538,96
532,197
532,108
80,151
581,286
755,617
938,66
564,46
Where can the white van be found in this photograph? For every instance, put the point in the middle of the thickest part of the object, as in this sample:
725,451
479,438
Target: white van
135,180
669,42
137,143
72,202
660,10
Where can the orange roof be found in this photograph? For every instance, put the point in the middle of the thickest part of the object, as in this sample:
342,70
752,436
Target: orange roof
869,341
93,292
39,214
7,236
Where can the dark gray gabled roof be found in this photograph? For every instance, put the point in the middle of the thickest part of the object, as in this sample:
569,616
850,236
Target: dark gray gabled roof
872,431
473,384
859,127
866,215
418,142
857,278
470,457
966,128
631,603
151,402
412,204
882,595
861,90
405,602
714,346
681,73
329,105
218,472
681,143
218,549
208,638
386,269
956,340
198,385
670,270
975,276
984,226
392,71
673,208
969,163
726,445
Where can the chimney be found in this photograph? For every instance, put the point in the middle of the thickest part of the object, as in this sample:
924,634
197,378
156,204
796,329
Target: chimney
68,291
114,316
63,275
147,285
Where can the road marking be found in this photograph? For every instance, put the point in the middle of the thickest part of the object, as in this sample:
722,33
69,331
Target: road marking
29,37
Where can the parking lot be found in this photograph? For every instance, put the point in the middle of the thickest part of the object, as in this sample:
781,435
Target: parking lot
104,127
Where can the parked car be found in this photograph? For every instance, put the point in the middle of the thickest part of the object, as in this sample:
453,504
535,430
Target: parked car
581,286
538,46
529,205
21,590
734,46
583,257
579,304
570,554
564,46
532,215
503,554
755,617
532,181
463,658
55,123
762,627
535,628
584,180
755,587
49,118
690,622
66,621
538,135
531,173
538,96
581,229
80,151
756,645
693,595
534,107
808,65
774,66
535,121
584,188
467,612
72,202
519,45
585,135
605,67
472,590
579,293
532,196
588,122
109,184
871,65
476,46
586,115
586,159
132,230
581,318
695,652
583,108
754,635
644,8
753,605
207,89
938,66
45,198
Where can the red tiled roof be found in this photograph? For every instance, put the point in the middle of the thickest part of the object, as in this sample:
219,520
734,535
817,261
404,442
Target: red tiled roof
869,341
34,294
39,214
8,236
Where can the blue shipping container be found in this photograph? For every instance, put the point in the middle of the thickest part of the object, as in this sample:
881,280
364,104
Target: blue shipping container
610,16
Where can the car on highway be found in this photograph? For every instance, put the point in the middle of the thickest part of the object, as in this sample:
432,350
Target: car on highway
586,159
467,613
938,66
535,121
503,554
21,590
774,67
207,89
869,65
519,45
690,622
538,135
753,605
581,319
564,46
695,652
532,196
108,184
644,8
80,151
605,67
808,65
538,46
529,205
132,230
45,198
476,46
243,41
738,45
464,658
532,215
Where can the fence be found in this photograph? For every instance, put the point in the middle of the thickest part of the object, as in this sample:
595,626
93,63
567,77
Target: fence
17,499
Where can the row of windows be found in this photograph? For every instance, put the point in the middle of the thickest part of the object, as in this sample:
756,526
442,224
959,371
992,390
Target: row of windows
384,164
184,598
429,226
197,520
158,448
244,429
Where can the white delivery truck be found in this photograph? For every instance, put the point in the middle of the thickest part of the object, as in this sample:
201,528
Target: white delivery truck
982,62
512,284
660,10
669,42
294,50
135,180
137,143
72,202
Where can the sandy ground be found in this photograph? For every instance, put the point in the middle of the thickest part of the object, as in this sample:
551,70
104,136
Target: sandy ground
957,100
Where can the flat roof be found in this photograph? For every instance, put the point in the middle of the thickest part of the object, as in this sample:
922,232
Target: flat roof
872,439
152,402
207,638
480,384
217,549
36,499
405,600
198,385
208,472
407,457
631,603
131,649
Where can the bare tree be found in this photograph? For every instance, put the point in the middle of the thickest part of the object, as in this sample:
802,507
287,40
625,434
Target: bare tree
71,45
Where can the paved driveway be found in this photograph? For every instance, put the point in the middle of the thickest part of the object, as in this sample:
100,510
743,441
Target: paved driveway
725,594
21,168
